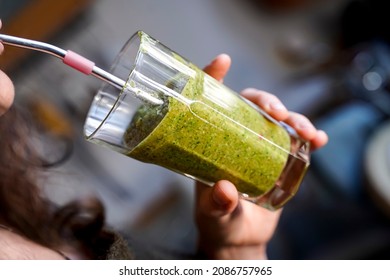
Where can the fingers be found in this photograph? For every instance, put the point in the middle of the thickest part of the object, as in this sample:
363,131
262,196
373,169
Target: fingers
219,67
6,93
307,131
217,201
273,106
319,141
302,125
6,88
267,102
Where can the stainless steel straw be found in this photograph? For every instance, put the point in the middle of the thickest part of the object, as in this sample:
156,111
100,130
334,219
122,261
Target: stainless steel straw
79,63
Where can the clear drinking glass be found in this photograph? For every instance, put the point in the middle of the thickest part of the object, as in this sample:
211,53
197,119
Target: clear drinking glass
172,114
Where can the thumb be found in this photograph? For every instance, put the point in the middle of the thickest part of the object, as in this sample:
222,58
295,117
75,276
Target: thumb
217,201
219,67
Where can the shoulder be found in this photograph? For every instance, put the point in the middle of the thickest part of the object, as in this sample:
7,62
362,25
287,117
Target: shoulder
16,247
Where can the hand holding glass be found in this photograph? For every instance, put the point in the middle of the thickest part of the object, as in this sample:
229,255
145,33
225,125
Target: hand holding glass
172,114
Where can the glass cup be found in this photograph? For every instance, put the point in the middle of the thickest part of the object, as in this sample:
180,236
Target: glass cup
172,114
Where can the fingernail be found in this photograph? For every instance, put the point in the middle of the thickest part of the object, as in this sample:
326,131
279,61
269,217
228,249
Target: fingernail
303,125
277,106
219,200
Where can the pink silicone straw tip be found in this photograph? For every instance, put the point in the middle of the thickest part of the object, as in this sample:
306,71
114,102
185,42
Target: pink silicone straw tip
78,62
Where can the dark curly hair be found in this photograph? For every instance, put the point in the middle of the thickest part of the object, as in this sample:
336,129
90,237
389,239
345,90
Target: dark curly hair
26,209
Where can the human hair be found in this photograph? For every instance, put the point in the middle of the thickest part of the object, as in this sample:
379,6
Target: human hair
26,209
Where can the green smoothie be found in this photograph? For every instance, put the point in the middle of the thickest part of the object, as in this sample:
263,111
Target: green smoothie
213,136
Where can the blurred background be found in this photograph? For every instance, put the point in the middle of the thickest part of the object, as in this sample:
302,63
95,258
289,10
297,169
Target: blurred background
327,59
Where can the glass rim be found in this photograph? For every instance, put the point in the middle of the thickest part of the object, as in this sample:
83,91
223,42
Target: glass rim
90,131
